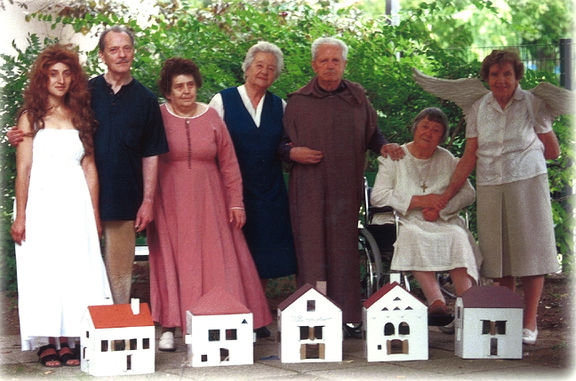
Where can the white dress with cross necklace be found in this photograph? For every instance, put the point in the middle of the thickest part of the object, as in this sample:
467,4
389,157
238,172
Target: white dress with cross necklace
422,245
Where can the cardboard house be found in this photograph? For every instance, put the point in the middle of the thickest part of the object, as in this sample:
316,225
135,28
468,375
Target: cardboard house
118,339
309,327
219,331
395,325
488,324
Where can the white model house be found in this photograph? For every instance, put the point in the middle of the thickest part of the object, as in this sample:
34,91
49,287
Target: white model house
118,340
219,331
488,323
395,325
309,327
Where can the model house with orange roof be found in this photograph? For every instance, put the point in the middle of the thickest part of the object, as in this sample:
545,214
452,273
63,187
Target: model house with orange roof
309,327
219,331
488,323
395,325
118,340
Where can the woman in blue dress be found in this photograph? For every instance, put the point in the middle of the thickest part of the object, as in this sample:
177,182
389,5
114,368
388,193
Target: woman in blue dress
253,116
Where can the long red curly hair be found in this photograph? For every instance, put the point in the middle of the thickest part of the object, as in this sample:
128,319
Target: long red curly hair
77,99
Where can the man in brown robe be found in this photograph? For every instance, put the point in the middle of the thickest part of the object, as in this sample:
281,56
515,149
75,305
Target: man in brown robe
330,124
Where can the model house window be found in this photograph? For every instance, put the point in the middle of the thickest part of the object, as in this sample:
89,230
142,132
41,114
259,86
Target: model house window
146,343
104,346
493,346
497,327
403,328
213,335
310,305
118,345
389,329
133,344
312,351
224,355
396,346
311,333
231,334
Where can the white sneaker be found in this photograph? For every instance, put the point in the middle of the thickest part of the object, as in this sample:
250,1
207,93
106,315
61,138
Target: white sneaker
529,337
166,342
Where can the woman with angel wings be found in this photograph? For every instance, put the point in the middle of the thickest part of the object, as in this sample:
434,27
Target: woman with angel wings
509,137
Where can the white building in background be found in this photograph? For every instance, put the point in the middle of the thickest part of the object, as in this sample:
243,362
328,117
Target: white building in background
16,29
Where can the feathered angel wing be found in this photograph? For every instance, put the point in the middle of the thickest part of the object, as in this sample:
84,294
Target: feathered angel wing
559,101
464,91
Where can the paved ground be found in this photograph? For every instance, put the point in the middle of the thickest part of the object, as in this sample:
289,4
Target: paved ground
546,360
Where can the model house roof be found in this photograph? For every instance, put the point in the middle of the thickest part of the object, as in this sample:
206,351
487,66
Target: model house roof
491,297
380,293
298,293
120,316
218,301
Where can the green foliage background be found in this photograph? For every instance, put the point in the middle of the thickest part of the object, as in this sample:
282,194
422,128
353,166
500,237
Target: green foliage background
217,35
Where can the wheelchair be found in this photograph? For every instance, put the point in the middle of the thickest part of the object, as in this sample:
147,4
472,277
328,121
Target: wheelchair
376,249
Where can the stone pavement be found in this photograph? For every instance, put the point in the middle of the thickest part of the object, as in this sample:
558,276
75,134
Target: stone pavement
538,363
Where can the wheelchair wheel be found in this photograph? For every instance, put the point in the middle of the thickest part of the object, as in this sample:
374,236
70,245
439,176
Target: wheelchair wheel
371,273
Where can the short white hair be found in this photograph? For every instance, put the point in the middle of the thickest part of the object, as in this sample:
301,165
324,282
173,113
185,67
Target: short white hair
264,47
329,41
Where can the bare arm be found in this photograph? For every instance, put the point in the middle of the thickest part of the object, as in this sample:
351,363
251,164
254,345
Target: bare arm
23,167
89,167
463,169
150,175
551,145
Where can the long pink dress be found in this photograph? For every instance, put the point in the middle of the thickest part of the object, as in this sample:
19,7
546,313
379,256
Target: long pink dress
193,247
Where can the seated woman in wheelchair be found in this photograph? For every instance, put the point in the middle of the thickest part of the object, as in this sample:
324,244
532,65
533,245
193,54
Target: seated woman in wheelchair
429,239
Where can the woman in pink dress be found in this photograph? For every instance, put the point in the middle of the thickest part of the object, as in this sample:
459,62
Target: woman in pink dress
196,241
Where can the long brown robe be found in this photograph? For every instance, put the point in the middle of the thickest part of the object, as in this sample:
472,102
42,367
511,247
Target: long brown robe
325,198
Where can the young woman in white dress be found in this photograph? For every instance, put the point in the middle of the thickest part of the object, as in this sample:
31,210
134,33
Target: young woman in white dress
56,227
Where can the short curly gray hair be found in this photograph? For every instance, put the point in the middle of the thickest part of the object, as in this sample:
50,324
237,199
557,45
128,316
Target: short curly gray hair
264,47
435,115
329,41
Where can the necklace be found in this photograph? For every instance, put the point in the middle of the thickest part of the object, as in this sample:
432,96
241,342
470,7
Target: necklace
423,171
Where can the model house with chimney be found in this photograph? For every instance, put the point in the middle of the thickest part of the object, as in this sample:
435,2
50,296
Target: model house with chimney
395,325
219,331
488,324
309,327
118,340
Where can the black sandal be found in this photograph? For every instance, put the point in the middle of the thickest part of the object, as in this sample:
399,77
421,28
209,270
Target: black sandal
67,354
47,353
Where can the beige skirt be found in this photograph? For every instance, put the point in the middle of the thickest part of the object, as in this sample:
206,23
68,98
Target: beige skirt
515,229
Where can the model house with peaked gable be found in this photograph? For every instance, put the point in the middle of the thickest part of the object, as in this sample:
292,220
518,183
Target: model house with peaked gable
219,331
488,324
118,340
395,325
309,327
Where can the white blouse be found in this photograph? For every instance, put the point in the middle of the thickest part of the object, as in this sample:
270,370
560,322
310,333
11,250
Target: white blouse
508,145
256,113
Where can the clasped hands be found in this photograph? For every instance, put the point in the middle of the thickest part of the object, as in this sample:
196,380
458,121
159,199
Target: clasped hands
431,206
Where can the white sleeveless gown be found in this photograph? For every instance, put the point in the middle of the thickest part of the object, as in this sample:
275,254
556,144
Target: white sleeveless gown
59,265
